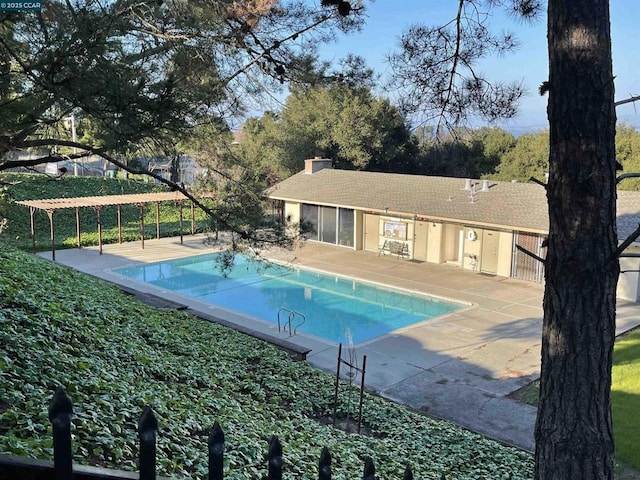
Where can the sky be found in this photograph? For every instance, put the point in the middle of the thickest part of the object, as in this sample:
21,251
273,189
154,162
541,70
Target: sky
387,19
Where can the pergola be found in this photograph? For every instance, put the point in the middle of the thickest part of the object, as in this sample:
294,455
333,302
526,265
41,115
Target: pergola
50,206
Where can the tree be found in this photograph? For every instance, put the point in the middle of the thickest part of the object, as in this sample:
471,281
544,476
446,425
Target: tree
574,434
496,143
464,153
340,121
528,158
142,75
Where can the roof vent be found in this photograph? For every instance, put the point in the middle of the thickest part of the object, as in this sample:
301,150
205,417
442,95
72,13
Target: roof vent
467,184
485,186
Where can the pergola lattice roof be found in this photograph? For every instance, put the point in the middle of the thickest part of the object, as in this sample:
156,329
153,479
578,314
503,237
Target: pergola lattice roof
104,200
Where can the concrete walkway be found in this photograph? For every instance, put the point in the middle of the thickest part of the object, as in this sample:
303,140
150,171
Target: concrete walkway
459,367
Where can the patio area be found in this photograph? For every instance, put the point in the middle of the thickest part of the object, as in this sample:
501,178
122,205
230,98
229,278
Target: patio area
461,366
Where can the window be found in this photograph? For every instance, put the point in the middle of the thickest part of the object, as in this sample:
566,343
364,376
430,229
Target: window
346,227
310,221
329,216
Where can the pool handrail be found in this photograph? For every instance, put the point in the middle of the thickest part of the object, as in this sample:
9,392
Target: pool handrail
292,315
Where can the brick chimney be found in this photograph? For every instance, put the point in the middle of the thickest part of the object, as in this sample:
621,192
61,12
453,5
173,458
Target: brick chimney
315,164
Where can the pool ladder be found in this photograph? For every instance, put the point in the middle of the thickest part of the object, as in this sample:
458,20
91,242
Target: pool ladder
291,315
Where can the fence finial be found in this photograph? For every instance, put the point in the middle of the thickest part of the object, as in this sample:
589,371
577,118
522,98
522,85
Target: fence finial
147,428
216,452
369,469
275,459
324,465
60,410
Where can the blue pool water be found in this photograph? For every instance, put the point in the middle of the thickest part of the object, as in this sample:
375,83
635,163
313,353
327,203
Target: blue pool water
332,305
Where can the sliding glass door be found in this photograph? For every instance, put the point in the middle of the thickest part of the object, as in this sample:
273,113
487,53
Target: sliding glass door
329,224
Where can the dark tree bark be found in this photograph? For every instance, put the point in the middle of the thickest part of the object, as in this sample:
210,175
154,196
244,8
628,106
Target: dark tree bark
574,436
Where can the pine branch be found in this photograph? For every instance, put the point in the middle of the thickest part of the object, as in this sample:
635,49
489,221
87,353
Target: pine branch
623,246
531,254
624,176
535,180
627,100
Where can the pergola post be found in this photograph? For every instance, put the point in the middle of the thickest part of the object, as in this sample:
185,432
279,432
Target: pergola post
141,206
78,226
32,212
180,208
119,223
99,220
158,220
193,219
52,233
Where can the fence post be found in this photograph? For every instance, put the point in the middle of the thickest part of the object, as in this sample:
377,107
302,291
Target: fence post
275,459
324,470
369,469
216,452
60,409
335,396
362,372
147,427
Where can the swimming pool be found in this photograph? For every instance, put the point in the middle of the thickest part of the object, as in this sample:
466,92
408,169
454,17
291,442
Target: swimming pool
334,306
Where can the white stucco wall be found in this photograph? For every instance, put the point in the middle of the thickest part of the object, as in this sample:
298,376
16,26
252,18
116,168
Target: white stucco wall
472,249
505,254
292,214
628,283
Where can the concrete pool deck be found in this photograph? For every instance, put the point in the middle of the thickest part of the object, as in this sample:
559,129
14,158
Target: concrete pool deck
460,367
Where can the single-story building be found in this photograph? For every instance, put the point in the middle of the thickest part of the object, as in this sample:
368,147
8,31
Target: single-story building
471,224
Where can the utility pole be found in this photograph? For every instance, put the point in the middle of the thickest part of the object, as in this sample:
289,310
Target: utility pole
72,123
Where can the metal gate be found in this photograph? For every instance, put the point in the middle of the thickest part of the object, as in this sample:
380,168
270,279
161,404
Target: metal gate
525,267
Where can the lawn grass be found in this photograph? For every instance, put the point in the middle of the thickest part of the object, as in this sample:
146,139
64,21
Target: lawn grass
34,186
115,355
625,397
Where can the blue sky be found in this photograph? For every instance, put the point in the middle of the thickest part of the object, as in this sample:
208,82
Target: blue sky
387,19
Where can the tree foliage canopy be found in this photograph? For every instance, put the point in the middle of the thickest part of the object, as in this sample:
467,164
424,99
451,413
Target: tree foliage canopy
347,124
145,72
143,76
528,158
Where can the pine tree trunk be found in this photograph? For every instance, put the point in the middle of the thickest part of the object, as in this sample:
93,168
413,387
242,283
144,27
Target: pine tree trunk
574,436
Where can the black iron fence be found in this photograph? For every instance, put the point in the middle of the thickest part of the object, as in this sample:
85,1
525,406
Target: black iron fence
62,468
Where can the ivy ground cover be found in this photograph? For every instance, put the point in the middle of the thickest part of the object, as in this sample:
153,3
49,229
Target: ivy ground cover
114,355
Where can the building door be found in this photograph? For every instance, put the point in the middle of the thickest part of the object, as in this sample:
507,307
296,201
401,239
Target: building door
420,241
371,232
453,244
489,255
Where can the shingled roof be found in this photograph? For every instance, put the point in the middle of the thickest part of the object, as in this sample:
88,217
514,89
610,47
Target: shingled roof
506,205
